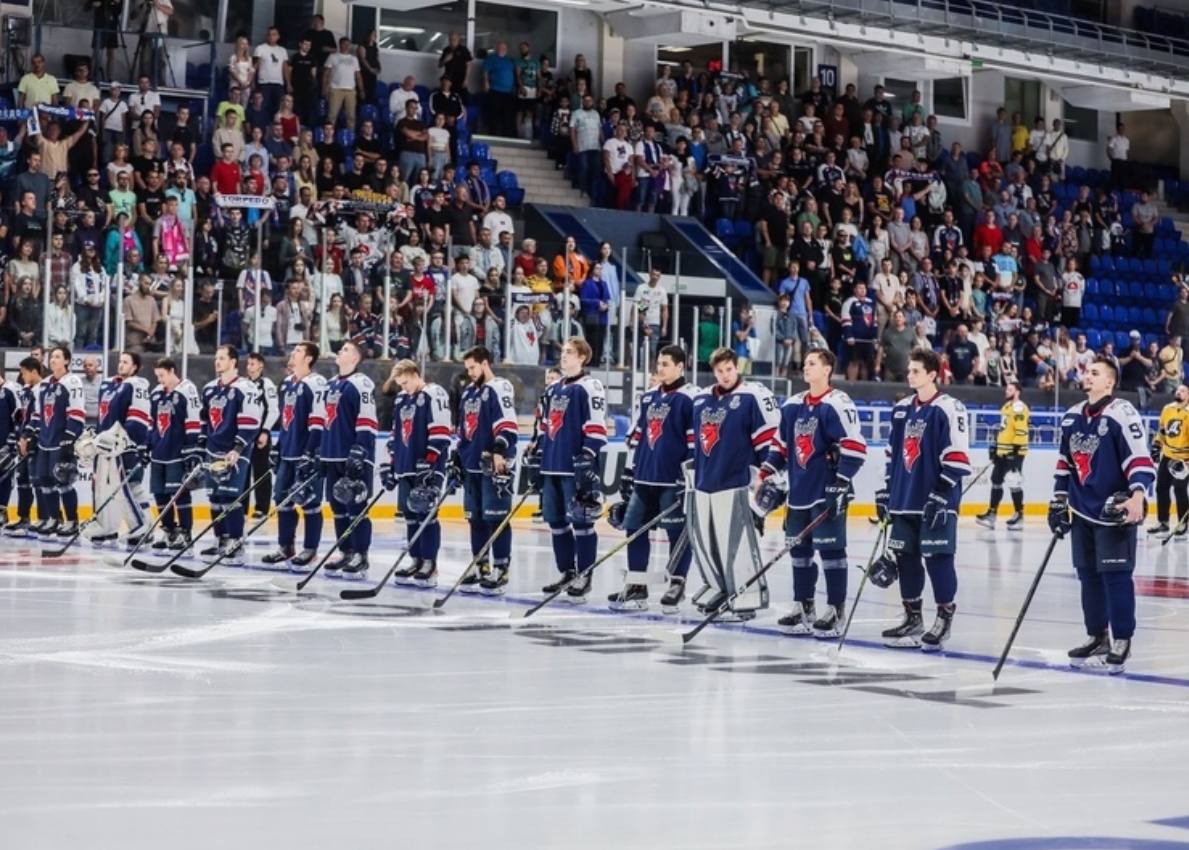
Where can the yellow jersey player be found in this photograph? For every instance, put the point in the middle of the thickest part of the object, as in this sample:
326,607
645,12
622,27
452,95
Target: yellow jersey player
1007,458
1171,446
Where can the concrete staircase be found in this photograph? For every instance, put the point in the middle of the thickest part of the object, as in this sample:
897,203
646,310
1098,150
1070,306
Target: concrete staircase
542,184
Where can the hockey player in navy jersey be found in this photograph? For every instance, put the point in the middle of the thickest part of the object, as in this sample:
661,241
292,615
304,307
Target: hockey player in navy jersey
10,427
573,434
660,442
231,412
58,420
302,412
122,452
348,458
928,455
418,451
820,444
734,422
1103,476
176,412
487,436
31,372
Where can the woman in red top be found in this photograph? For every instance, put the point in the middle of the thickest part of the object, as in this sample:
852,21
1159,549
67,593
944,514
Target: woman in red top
290,125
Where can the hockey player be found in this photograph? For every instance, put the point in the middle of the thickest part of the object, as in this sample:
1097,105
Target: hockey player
31,378
573,434
303,419
1103,476
928,454
417,454
231,411
1171,449
487,436
661,441
530,461
10,425
176,413
122,444
1007,458
58,420
821,445
262,461
348,458
734,422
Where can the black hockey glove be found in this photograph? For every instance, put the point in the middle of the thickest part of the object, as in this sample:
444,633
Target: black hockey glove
992,451
937,507
429,478
66,450
192,458
769,496
274,456
1115,509
388,477
586,476
882,499
359,465
531,464
1060,521
616,515
627,483
837,495
307,465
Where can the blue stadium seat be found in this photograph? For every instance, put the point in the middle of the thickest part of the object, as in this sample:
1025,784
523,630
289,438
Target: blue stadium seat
1108,263
1151,293
724,229
480,150
1135,317
463,151
1163,267
1135,291
1090,313
382,92
1150,267
204,158
345,138
1107,288
422,91
368,112
1092,288
1122,341
1106,316
507,180
819,320
514,196
1151,321
1095,263
744,232
1094,339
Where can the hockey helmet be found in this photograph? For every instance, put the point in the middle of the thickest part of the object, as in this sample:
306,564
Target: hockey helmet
66,472
767,497
348,491
885,570
585,508
1113,510
1178,469
422,499
616,515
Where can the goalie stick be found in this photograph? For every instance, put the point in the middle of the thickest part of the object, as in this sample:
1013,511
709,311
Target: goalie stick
60,551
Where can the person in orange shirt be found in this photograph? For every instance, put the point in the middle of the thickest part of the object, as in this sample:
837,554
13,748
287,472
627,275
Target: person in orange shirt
579,265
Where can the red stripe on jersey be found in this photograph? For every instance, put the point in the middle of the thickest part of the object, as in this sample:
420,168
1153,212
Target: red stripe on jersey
439,429
247,420
764,436
431,456
594,428
366,423
504,425
955,457
854,446
316,420
1139,462
193,426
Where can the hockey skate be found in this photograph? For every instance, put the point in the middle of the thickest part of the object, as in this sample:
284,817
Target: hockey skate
576,592
1092,652
1159,528
19,528
179,540
299,562
906,635
405,575
562,581
161,543
986,519
1116,659
427,574
277,560
208,554
355,569
494,582
939,632
831,623
633,597
49,529
471,582
233,552
68,529
799,621
334,567
671,601
1016,523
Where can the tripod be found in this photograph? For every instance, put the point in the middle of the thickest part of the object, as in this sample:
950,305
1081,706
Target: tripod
152,60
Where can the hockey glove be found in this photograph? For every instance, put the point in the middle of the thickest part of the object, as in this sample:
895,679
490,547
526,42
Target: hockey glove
616,514
429,478
274,456
992,452
349,491
191,459
501,481
134,464
307,465
388,477
454,473
627,483
531,463
882,499
837,495
358,463
1059,519
885,571
66,450
66,472
936,510
586,476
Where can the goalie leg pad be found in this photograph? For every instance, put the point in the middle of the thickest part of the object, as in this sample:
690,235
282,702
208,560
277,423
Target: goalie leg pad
726,547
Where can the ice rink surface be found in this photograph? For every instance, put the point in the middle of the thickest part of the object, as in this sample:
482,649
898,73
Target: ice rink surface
142,711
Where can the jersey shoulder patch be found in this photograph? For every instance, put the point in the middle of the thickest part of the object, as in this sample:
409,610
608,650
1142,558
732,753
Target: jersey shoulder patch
591,384
73,382
501,386
314,381
1019,407
436,392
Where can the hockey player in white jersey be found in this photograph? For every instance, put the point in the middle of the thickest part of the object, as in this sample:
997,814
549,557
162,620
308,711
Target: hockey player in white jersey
121,450
734,421
928,455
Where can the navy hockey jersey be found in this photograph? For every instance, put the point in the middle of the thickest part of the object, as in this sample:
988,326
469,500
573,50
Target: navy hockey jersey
125,401
177,422
486,422
232,415
662,438
929,442
59,415
818,440
350,417
10,412
573,421
420,429
1101,454
732,430
858,319
302,416
28,397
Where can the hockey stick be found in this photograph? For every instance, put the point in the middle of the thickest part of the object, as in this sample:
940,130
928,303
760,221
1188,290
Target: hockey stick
1176,529
57,553
182,488
499,529
1024,608
294,492
147,567
875,551
739,591
352,593
975,479
644,529
308,577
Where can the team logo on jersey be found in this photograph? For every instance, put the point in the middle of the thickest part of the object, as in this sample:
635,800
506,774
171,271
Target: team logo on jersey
910,450
47,413
332,407
104,406
470,418
216,412
656,422
557,415
803,434
1081,451
708,429
164,417
287,409
407,415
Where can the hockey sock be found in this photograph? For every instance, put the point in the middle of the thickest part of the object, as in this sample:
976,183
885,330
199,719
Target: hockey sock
639,553
5,494
912,575
361,537
167,518
217,509
286,527
804,577
996,498
834,571
185,512
586,546
943,577
312,532
414,546
1094,610
501,549
1120,603
563,548
24,502
1017,500
341,521
53,505
234,524
480,531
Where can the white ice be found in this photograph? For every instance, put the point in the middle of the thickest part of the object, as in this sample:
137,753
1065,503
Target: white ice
143,711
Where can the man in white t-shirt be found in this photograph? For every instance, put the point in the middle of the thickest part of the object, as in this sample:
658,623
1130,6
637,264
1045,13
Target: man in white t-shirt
617,153
497,220
1118,147
652,305
401,96
464,286
888,291
269,59
342,83
1073,288
143,100
81,87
